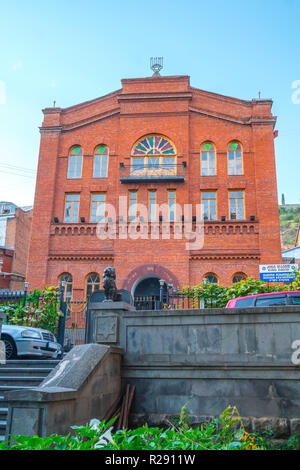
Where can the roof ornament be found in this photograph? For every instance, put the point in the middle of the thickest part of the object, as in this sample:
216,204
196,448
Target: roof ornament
156,64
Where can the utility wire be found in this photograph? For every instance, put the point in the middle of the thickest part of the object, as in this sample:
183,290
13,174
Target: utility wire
17,174
18,168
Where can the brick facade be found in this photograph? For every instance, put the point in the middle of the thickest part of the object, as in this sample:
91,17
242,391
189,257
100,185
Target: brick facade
188,116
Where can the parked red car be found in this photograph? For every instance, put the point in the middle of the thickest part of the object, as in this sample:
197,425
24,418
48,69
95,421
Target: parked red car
265,300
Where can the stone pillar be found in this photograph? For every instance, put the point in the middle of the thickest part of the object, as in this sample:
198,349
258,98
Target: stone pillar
106,322
2,345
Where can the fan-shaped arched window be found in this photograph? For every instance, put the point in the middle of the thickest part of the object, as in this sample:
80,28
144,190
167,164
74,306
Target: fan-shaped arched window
208,159
75,162
237,277
92,283
100,162
211,278
66,285
235,159
153,154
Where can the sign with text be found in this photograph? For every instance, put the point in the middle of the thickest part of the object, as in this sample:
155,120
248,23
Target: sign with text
278,272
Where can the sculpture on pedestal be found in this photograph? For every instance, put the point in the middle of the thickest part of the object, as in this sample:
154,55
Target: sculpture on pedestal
109,284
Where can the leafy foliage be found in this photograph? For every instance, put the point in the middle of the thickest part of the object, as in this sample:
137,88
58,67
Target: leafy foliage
40,311
225,433
289,222
215,295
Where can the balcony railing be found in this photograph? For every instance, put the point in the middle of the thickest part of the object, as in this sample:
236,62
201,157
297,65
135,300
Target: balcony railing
152,172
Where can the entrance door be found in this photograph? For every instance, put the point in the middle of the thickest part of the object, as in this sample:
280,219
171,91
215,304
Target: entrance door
147,294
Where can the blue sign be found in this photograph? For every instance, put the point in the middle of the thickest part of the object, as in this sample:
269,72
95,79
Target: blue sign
278,272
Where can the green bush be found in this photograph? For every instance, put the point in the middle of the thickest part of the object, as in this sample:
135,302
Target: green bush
215,295
41,310
225,433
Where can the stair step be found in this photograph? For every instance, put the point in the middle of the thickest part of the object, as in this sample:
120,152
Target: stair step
20,363
43,372
16,382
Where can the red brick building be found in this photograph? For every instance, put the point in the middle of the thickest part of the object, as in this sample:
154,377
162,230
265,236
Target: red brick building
15,228
155,141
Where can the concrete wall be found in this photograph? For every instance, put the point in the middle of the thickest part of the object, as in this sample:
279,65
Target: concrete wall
211,359
82,386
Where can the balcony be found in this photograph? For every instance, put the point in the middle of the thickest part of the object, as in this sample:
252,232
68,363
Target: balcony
149,172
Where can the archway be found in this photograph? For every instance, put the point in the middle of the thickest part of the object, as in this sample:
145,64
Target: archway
147,293
149,271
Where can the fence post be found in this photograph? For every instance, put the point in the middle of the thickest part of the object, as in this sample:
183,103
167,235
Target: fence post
62,318
162,283
26,284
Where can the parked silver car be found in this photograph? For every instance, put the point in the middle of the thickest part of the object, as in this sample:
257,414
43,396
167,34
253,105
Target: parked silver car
28,341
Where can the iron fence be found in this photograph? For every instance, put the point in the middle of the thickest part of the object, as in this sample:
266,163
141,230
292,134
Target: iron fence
188,299
13,297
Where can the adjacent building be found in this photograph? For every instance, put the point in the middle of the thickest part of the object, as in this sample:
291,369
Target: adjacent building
15,227
155,142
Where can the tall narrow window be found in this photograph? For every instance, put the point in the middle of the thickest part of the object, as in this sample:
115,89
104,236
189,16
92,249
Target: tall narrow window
132,204
66,285
209,205
171,202
152,206
98,207
92,283
235,159
71,207
100,162
75,163
236,205
208,159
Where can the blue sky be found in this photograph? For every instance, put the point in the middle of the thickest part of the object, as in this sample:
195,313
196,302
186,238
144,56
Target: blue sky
73,50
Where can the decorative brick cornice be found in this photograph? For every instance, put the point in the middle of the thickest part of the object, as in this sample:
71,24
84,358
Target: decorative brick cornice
205,255
230,227
81,257
90,120
45,129
155,96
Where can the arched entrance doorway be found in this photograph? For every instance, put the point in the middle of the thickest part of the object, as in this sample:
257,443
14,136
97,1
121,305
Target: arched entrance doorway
147,293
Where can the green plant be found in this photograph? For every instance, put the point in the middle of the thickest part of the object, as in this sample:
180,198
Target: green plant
225,433
215,295
41,310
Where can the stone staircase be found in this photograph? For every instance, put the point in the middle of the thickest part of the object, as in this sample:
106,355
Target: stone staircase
19,375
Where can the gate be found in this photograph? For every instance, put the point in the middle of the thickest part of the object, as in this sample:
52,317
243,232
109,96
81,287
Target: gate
73,325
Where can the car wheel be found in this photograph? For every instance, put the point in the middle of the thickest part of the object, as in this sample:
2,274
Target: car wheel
10,347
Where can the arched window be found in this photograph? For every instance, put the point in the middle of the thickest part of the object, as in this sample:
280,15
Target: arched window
153,154
211,278
92,283
237,277
66,285
75,162
100,162
235,159
208,159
